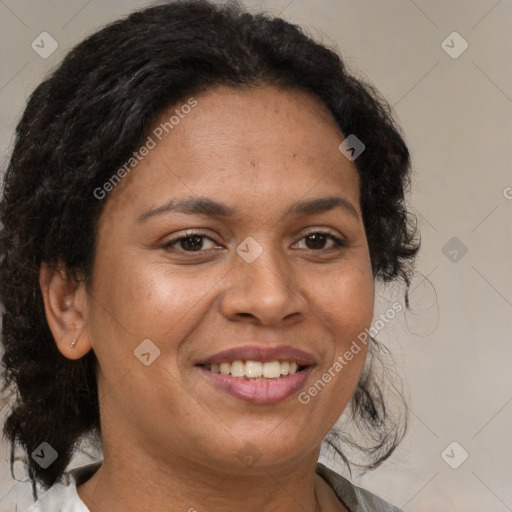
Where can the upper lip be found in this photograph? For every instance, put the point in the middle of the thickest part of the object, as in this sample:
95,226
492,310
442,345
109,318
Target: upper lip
261,353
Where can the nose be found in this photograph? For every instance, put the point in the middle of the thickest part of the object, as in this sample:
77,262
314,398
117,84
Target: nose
265,291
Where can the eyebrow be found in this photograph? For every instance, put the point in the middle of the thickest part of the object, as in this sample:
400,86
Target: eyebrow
206,206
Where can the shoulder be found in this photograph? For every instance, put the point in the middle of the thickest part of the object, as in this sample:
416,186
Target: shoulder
62,496
354,498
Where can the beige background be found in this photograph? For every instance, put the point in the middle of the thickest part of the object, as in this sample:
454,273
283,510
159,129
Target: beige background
455,347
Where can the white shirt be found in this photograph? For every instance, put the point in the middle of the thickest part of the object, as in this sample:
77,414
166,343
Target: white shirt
63,496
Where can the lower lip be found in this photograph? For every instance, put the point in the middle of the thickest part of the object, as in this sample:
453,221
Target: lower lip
260,391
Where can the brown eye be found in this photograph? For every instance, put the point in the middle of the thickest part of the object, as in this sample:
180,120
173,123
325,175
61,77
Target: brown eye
316,241
192,242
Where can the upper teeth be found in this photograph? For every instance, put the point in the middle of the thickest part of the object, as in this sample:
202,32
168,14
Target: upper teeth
256,369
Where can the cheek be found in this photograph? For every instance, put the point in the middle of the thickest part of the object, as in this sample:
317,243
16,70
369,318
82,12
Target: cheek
347,305
346,300
141,297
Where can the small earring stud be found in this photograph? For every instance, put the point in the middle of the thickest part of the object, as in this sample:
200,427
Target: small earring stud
73,343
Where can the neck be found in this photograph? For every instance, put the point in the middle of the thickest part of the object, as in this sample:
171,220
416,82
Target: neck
127,482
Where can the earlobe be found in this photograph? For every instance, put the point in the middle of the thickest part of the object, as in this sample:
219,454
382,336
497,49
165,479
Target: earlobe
65,308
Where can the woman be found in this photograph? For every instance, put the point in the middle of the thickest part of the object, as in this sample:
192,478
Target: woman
197,207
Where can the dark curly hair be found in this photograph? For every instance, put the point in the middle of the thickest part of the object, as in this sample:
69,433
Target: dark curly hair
87,118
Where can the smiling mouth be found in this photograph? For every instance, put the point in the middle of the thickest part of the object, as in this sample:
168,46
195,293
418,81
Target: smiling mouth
255,370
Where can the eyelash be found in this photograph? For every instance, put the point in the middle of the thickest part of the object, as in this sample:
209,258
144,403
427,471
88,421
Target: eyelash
191,234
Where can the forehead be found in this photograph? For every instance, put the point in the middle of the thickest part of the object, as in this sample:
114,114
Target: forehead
242,143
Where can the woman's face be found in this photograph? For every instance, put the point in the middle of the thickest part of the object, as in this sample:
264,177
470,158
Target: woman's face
251,283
